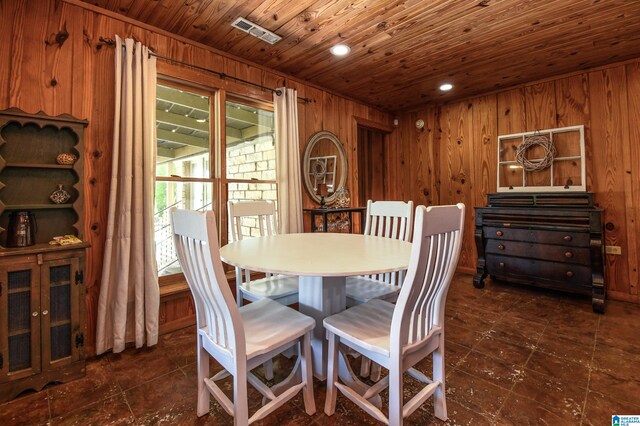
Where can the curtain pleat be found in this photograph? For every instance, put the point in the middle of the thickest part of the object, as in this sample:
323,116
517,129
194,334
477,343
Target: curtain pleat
288,161
129,301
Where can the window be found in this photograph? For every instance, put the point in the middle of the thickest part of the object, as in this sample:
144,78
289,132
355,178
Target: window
184,156
189,161
250,156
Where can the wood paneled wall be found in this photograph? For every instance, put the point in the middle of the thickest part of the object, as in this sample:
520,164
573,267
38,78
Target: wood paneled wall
453,158
74,75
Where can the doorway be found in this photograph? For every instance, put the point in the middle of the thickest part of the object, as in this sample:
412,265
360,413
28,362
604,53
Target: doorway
372,160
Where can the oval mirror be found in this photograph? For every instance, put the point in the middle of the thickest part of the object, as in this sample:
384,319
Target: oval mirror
324,166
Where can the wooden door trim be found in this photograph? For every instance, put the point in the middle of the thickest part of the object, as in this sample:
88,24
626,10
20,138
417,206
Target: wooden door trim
376,125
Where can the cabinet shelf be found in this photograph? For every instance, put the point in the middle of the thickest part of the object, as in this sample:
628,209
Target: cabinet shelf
40,166
59,323
39,248
19,332
37,206
19,290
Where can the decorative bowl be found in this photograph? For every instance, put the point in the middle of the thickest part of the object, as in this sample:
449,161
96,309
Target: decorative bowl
66,159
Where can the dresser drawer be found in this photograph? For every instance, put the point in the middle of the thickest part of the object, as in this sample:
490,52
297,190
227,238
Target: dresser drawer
574,239
568,254
564,272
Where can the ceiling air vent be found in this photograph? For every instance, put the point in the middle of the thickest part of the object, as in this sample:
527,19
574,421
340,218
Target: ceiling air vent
256,30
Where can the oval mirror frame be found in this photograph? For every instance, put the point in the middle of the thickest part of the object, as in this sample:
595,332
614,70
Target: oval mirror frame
342,166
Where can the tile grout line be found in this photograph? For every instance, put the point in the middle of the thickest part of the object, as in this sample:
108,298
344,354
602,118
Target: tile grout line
593,354
492,418
126,401
511,393
49,398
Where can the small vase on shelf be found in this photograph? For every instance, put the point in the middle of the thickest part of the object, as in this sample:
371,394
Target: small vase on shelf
60,196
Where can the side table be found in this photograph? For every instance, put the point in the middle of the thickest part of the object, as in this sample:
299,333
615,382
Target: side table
327,211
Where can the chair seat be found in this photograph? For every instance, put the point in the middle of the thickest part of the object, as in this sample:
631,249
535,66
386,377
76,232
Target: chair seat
276,286
269,325
368,325
363,289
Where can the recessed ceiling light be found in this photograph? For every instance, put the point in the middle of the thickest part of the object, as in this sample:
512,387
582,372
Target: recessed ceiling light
340,50
445,87
201,120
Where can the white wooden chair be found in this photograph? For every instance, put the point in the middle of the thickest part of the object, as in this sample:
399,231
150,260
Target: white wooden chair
281,288
401,335
240,339
391,219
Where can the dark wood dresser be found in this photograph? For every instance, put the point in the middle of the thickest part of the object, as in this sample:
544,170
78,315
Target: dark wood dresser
551,240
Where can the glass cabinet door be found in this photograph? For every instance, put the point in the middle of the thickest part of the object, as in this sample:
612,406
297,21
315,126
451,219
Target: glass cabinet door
59,312
20,319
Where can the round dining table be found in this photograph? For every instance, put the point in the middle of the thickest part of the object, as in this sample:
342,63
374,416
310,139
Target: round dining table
322,261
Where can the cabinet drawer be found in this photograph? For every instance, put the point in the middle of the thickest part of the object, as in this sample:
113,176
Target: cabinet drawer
567,273
573,239
569,254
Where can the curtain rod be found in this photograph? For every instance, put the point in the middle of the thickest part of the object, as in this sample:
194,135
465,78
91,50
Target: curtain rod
112,43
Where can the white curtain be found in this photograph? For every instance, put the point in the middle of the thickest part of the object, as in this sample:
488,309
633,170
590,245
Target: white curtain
288,161
129,295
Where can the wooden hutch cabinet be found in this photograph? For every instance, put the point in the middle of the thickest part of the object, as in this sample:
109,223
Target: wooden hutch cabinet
550,240
42,293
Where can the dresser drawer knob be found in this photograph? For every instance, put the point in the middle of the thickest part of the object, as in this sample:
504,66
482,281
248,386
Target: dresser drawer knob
569,274
501,246
568,254
567,238
501,264
499,233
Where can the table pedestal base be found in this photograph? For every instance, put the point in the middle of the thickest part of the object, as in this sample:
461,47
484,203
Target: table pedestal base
320,297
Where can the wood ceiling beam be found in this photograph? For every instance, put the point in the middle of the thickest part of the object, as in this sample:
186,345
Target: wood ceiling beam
165,152
247,117
233,135
181,120
182,139
183,99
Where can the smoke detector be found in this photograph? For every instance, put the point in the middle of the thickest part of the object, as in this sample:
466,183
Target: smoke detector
256,30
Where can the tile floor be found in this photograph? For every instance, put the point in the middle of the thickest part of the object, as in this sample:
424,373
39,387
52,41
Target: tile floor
515,356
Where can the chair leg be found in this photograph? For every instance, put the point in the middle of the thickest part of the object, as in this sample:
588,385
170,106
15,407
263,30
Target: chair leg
307,374
204,396
268,369
376,372
240,401
332,374
239,299
365,366
439,396
396,401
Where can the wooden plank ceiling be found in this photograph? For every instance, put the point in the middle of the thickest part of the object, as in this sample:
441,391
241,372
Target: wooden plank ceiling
401,51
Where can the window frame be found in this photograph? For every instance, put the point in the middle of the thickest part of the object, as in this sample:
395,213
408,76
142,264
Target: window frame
218,97
226,181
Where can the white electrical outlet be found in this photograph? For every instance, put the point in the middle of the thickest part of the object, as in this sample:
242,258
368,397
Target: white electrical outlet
613,250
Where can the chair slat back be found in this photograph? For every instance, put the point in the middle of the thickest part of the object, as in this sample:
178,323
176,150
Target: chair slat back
195,238
263,211
437,241
390,219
